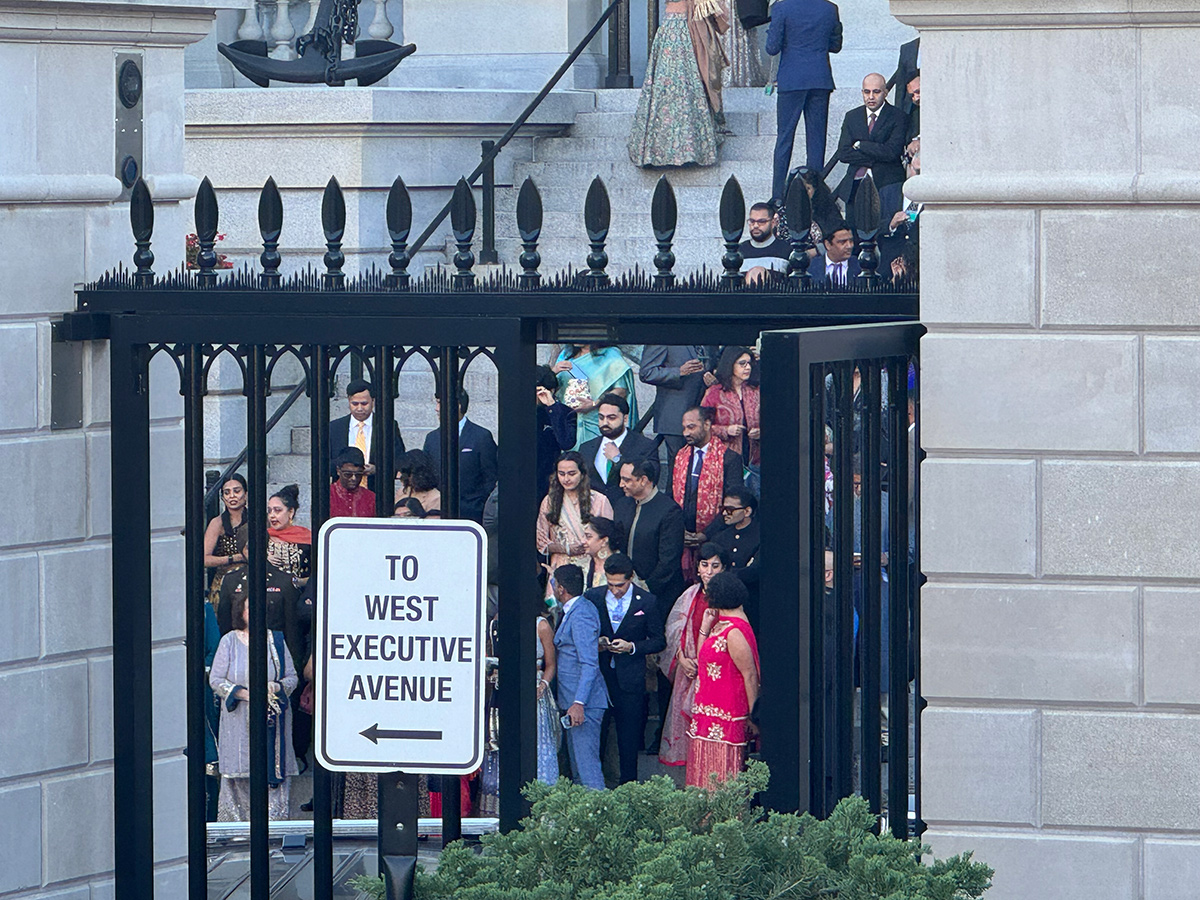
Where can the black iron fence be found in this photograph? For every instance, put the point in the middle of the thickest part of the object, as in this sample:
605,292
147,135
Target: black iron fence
447,320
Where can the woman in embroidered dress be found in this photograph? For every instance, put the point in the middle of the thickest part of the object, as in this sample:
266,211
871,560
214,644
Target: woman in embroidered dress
597,369
565,510
726,686
679,120
602,537
735,398
226,535
549,728
678,660
288,544
229,678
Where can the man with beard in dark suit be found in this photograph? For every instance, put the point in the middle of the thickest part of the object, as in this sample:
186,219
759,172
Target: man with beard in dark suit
616,445
653,525
631,628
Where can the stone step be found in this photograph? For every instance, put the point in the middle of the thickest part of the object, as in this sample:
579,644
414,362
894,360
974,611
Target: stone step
617,124
579,174
698,200
754,148
733,100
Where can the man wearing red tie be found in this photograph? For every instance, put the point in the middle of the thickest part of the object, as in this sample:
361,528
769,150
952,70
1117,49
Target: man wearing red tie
872,141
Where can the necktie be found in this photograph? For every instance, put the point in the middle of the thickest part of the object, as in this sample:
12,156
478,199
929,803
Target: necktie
360,440
862,170
691,490
608,467
618,615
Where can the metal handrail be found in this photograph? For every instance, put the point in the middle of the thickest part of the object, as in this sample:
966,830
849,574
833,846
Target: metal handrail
489,155
211,494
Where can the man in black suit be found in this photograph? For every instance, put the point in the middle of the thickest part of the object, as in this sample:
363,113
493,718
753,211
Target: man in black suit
355,430
907,67
631,627
653,524
476,460
872,142
741,538
838,265
556,425
615,445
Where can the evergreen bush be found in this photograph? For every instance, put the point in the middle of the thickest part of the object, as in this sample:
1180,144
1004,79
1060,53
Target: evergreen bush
652,841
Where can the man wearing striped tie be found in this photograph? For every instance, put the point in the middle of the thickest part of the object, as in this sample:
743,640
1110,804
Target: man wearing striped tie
355,430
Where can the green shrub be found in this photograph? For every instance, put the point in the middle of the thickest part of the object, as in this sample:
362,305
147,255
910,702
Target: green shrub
652,841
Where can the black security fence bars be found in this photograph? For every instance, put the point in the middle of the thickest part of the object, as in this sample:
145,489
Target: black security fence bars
855,434
383,320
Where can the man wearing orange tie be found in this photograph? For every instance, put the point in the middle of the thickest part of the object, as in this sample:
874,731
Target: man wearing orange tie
355,430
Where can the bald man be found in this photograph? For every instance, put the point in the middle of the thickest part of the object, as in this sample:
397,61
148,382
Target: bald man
873,137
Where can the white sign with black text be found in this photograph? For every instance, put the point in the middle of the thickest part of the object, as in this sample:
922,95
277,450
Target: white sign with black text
399,653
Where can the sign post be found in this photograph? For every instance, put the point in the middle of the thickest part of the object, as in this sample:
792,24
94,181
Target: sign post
399,661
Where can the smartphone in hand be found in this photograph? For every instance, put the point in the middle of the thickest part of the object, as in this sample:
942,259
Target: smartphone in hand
565,719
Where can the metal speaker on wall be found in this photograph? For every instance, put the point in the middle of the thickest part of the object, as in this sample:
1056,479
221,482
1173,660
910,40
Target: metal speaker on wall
128,141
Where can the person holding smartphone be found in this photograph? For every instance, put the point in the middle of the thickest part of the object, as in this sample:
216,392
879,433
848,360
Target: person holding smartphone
581,690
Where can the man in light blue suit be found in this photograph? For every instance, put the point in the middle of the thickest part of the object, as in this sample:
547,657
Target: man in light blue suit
581,690
803,33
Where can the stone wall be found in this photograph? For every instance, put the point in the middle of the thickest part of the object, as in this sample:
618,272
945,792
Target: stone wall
1061,420
61,223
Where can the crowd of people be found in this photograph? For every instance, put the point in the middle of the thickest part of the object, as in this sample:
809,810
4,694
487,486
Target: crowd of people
703,45
629,555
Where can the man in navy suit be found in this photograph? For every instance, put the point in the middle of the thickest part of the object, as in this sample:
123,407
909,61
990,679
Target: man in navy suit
872,141
631,628
581,689
803,33
838,265
477,460
355,430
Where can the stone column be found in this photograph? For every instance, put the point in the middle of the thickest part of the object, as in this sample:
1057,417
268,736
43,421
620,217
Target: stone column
61,223
1061,414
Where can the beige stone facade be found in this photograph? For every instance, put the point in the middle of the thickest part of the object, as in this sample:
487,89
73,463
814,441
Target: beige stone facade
1061,420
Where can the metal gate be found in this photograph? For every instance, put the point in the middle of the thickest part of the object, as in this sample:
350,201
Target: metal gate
259,318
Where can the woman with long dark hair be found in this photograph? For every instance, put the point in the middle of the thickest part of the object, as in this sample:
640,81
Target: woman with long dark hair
602,537
735,398
569,505
226,535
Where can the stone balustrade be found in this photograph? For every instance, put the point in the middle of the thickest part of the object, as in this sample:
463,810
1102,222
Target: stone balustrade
280,22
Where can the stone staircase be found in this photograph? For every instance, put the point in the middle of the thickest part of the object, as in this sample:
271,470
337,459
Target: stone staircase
563,168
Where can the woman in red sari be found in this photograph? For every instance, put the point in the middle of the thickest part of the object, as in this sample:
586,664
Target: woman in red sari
678,660
726,685
735,398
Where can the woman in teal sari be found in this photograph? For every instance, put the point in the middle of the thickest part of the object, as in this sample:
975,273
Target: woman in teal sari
603,368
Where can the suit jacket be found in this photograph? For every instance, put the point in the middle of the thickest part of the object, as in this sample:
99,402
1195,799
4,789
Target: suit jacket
879,149
576,643
643,625
657,546
906,68
556,432
635,447
804,33
339,440
476,467
816,268
674,394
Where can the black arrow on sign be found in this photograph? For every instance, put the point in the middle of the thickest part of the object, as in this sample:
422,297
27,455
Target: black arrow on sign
374,733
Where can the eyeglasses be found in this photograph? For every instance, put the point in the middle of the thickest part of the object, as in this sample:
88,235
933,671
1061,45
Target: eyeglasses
731,509
759,221
346,473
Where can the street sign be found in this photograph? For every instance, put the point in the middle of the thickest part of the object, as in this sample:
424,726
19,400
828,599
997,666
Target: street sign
399,653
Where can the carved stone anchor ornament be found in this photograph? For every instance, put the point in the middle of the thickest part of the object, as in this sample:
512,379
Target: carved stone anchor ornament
320,53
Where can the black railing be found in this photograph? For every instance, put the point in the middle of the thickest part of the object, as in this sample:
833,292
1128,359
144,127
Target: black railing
492,149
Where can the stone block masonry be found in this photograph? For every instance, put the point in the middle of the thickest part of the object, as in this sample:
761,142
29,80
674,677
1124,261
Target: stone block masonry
1059,416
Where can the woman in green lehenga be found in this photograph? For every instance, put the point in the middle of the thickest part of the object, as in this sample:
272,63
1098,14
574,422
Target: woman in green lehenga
603,368
679,119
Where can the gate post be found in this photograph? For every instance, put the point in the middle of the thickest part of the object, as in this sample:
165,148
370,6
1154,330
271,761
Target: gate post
133,737
516,362
787,575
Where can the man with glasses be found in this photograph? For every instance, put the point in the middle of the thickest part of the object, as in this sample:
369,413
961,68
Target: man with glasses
763,252
740,537
348,496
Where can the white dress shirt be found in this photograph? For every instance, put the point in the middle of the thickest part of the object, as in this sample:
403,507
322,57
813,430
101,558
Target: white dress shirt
601,461
354,423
